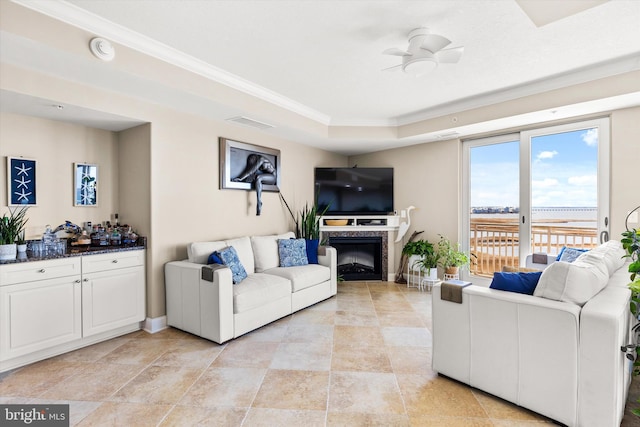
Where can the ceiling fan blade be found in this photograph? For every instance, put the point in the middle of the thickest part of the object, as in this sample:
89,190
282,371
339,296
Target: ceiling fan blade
394,68
449,56
395,51
434,42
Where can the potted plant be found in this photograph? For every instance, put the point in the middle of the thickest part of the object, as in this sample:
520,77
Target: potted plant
11,228
423,255
451,258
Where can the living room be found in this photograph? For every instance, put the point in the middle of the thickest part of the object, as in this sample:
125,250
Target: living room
161,174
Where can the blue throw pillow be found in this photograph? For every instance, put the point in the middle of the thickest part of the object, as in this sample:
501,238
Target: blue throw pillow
312,250
292,252
570,254
522,283
229,257
214,258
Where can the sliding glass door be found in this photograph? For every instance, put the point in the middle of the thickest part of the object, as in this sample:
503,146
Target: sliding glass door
535,192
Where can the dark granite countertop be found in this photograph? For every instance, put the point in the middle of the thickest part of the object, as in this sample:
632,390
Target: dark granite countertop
73,251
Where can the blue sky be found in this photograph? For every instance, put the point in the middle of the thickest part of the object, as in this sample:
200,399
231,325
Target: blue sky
563,171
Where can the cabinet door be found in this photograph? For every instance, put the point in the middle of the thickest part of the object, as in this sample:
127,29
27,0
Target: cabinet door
111,299
39,315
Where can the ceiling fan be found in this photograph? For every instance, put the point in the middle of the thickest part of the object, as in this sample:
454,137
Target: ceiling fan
424,53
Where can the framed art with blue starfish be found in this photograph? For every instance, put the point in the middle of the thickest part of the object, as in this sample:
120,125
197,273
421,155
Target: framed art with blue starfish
21,181
85,189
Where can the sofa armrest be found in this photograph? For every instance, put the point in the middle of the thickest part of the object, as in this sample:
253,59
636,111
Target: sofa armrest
330,259
200,299
518,347
605,373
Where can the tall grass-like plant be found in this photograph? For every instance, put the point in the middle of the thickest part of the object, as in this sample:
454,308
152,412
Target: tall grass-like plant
308,224
12,225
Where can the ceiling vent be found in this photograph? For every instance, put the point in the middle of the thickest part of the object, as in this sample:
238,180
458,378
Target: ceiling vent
245,121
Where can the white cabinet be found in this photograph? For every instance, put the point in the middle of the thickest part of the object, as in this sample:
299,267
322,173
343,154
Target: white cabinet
113,291
40,306
54,306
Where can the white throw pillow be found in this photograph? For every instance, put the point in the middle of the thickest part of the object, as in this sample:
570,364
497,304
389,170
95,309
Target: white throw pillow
575,282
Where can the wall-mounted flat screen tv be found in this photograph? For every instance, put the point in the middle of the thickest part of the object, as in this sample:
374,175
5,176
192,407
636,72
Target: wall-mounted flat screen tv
354,191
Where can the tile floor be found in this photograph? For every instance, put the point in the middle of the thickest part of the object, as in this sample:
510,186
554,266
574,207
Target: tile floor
362,358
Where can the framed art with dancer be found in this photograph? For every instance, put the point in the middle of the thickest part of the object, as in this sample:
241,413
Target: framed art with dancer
249,167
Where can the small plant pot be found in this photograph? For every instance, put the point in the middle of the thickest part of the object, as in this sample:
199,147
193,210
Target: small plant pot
8,252
452,271
22,248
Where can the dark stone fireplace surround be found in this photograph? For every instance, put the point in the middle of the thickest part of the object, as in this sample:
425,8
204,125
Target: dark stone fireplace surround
364,233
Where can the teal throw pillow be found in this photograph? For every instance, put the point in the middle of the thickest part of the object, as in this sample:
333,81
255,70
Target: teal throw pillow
229,257
292,252
522,283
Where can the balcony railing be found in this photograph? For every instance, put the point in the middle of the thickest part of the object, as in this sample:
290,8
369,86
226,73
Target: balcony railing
495,241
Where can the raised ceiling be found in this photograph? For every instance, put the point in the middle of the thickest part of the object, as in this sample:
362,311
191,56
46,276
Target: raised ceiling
323,59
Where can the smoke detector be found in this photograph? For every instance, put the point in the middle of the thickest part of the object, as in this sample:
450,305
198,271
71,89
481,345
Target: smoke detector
102,49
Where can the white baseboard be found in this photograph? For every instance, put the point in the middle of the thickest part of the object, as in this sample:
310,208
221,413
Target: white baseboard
155,325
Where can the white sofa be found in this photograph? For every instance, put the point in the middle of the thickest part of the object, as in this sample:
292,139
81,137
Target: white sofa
556,352
202,300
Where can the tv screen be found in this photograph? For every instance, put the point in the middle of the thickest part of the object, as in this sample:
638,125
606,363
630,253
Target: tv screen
354,191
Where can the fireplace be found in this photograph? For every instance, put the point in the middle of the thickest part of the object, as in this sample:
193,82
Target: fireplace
359,258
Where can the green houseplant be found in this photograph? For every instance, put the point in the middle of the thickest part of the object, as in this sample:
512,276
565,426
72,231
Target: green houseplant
631,244
11,231
425,255
450,257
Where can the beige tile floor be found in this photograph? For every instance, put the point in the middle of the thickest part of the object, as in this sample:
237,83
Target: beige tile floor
362,358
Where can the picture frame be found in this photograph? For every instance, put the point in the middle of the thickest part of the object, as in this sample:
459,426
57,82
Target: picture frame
21,181
85,184
238,169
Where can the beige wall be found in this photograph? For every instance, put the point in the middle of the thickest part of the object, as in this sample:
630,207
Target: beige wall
56,146
625,165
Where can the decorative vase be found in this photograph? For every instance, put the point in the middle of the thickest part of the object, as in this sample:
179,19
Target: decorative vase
22,248
8,252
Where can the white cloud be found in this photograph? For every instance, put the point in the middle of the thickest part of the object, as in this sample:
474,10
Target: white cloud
589,180
545,183
546,155
590,137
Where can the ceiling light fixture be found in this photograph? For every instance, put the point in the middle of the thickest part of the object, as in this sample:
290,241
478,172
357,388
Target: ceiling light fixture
102,49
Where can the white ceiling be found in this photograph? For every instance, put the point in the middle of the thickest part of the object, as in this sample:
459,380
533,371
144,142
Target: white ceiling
323,58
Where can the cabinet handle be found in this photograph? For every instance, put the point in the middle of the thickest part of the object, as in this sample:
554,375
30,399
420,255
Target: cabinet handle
41,270
85,280
115,261
77,281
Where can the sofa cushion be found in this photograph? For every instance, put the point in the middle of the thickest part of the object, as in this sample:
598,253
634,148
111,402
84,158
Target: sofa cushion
229,257
610,253
199,252
265,250
304,276
292,252
520,282
257,290
242,245
575,282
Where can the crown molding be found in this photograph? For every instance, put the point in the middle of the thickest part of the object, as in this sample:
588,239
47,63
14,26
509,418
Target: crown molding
78,17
